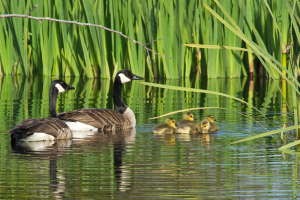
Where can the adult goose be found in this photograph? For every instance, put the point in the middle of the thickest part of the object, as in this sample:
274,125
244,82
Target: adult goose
94,119
50,128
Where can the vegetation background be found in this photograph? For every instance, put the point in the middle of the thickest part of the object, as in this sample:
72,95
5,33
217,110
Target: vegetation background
59,49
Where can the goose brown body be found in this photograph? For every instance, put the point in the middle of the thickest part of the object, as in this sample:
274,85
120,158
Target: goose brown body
51,125
103,119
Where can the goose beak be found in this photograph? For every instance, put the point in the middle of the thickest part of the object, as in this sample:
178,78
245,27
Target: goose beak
69,87
194,118
135,77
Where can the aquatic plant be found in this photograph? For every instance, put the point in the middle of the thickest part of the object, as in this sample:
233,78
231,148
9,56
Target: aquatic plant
269,52
59,49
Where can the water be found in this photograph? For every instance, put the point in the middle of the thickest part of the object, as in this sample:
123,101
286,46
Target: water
138,165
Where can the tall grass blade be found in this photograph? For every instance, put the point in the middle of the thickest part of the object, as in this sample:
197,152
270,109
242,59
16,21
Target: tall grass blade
265,134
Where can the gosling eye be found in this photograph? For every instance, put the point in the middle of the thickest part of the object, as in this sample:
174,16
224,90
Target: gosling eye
173,121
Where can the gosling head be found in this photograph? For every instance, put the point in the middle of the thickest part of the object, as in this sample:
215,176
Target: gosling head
205,125
170,121
210,118
126,75
188,116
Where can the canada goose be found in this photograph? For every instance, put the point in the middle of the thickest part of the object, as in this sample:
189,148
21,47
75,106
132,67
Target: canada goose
50,128
187,125
213,127
166,128
204,126
94,119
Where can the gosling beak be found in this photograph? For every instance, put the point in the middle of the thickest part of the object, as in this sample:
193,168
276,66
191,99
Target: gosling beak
194,118
135,77
69,87
176,125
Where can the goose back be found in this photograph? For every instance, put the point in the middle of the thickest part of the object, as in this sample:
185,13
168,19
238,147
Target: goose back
54,127
103,119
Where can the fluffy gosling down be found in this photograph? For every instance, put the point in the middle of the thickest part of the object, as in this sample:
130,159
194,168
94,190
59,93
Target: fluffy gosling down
187,125
166,128
204,126
213,126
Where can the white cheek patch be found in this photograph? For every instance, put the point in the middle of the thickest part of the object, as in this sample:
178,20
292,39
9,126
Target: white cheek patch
59,87
124,79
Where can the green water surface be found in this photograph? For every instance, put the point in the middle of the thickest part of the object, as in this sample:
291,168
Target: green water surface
135,164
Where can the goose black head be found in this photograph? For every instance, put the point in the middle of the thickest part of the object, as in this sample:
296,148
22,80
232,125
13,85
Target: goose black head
61,86
126,75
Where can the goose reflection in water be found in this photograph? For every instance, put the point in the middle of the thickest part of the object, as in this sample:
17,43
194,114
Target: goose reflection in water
54,151
50,150
119,140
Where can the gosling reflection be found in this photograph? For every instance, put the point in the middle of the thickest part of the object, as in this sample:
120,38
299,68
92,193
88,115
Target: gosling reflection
207,139
169,139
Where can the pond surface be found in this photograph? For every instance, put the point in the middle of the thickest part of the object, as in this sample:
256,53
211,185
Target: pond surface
138,165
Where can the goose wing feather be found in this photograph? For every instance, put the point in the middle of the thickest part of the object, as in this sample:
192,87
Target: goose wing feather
50,125
103,119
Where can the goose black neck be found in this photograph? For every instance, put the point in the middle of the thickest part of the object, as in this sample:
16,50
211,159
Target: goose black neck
119,105
52,100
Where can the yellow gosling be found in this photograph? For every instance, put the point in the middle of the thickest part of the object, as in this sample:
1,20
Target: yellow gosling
166,128
213,127
204,126
187,125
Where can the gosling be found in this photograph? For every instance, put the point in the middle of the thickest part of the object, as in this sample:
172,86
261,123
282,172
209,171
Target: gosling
204,126
166,128
187,125
213,127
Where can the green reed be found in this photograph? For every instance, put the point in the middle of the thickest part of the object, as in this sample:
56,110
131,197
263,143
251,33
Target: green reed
271,59
59,49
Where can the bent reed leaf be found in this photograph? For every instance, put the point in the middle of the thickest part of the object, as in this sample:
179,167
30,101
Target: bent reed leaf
266,134
289,145
199,90
217,47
